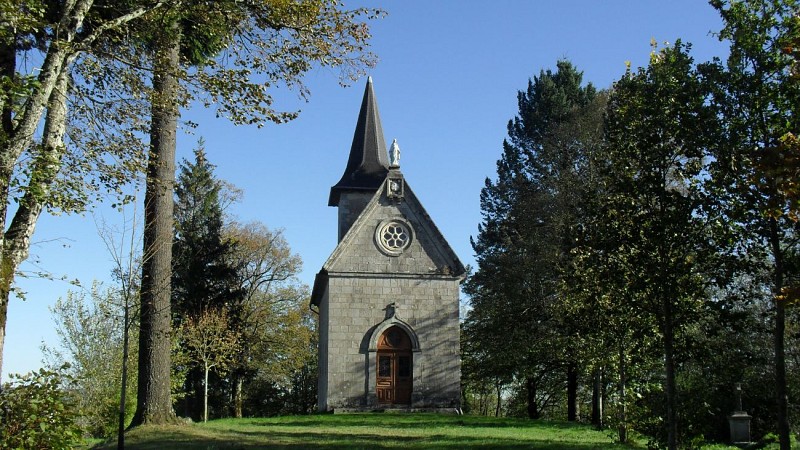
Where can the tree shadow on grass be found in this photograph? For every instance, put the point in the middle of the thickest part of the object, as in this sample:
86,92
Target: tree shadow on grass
367,431
251,440
407,422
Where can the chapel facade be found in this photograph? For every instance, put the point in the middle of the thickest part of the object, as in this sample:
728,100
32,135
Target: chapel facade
388,296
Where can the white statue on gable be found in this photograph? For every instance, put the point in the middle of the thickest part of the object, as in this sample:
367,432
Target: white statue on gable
394,155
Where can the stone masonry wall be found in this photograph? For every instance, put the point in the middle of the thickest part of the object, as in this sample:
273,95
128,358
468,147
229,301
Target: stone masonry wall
363,278
357,304
350,206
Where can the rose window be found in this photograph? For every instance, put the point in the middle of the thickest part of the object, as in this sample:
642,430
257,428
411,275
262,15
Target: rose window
393,237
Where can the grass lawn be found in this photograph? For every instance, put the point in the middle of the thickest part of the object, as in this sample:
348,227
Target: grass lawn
370,431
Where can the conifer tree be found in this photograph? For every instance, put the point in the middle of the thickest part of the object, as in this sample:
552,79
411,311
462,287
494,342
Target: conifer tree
201,277
528,214
202,281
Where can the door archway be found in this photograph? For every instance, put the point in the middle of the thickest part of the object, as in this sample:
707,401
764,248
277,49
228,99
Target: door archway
395,367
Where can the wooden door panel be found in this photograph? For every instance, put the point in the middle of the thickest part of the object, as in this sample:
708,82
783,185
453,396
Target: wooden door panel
394,371
385,394
402,396
402,380
384,382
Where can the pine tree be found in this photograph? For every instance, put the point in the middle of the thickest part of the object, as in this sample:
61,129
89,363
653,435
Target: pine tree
525,235
153,397
202,280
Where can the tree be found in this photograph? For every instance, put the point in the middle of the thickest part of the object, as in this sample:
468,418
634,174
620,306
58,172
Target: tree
121,245
277,41
266,272
210,343
729,345
154,404
111,77
246,271
202,278
786,168
622,346
757,100
90,330
282,379
657,133
301,396
62,32
526,234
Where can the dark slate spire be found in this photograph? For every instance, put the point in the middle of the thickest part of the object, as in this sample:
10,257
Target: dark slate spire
368,163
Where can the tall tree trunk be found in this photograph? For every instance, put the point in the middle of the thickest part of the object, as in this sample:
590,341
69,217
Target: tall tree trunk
533,407
597,399
669,365
153,402
45,167
784,430
499,390
623,409
205,393
572,391
238,383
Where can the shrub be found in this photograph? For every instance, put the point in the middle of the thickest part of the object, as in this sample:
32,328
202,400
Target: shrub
34,412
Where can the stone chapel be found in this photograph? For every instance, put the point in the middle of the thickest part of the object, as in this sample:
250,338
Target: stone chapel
388,296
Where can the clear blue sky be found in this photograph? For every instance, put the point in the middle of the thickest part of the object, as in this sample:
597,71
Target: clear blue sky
446,86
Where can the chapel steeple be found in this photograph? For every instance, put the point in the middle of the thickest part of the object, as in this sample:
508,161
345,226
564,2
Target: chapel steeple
387,297
368,163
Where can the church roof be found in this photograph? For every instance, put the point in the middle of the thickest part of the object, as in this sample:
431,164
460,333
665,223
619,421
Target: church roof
429,256
368,163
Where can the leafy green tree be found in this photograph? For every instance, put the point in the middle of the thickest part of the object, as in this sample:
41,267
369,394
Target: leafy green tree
301,395
622,348
266,271
210,343
657,132
784,166
64,33
39,174
758,101
90,329
258,45
277,357
730,344
283,380
529,214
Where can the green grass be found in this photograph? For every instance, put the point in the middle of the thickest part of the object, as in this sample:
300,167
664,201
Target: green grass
370,431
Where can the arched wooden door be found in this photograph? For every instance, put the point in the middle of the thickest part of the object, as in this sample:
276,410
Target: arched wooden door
395,367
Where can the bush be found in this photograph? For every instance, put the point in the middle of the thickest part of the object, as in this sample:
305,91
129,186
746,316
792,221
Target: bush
34,412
